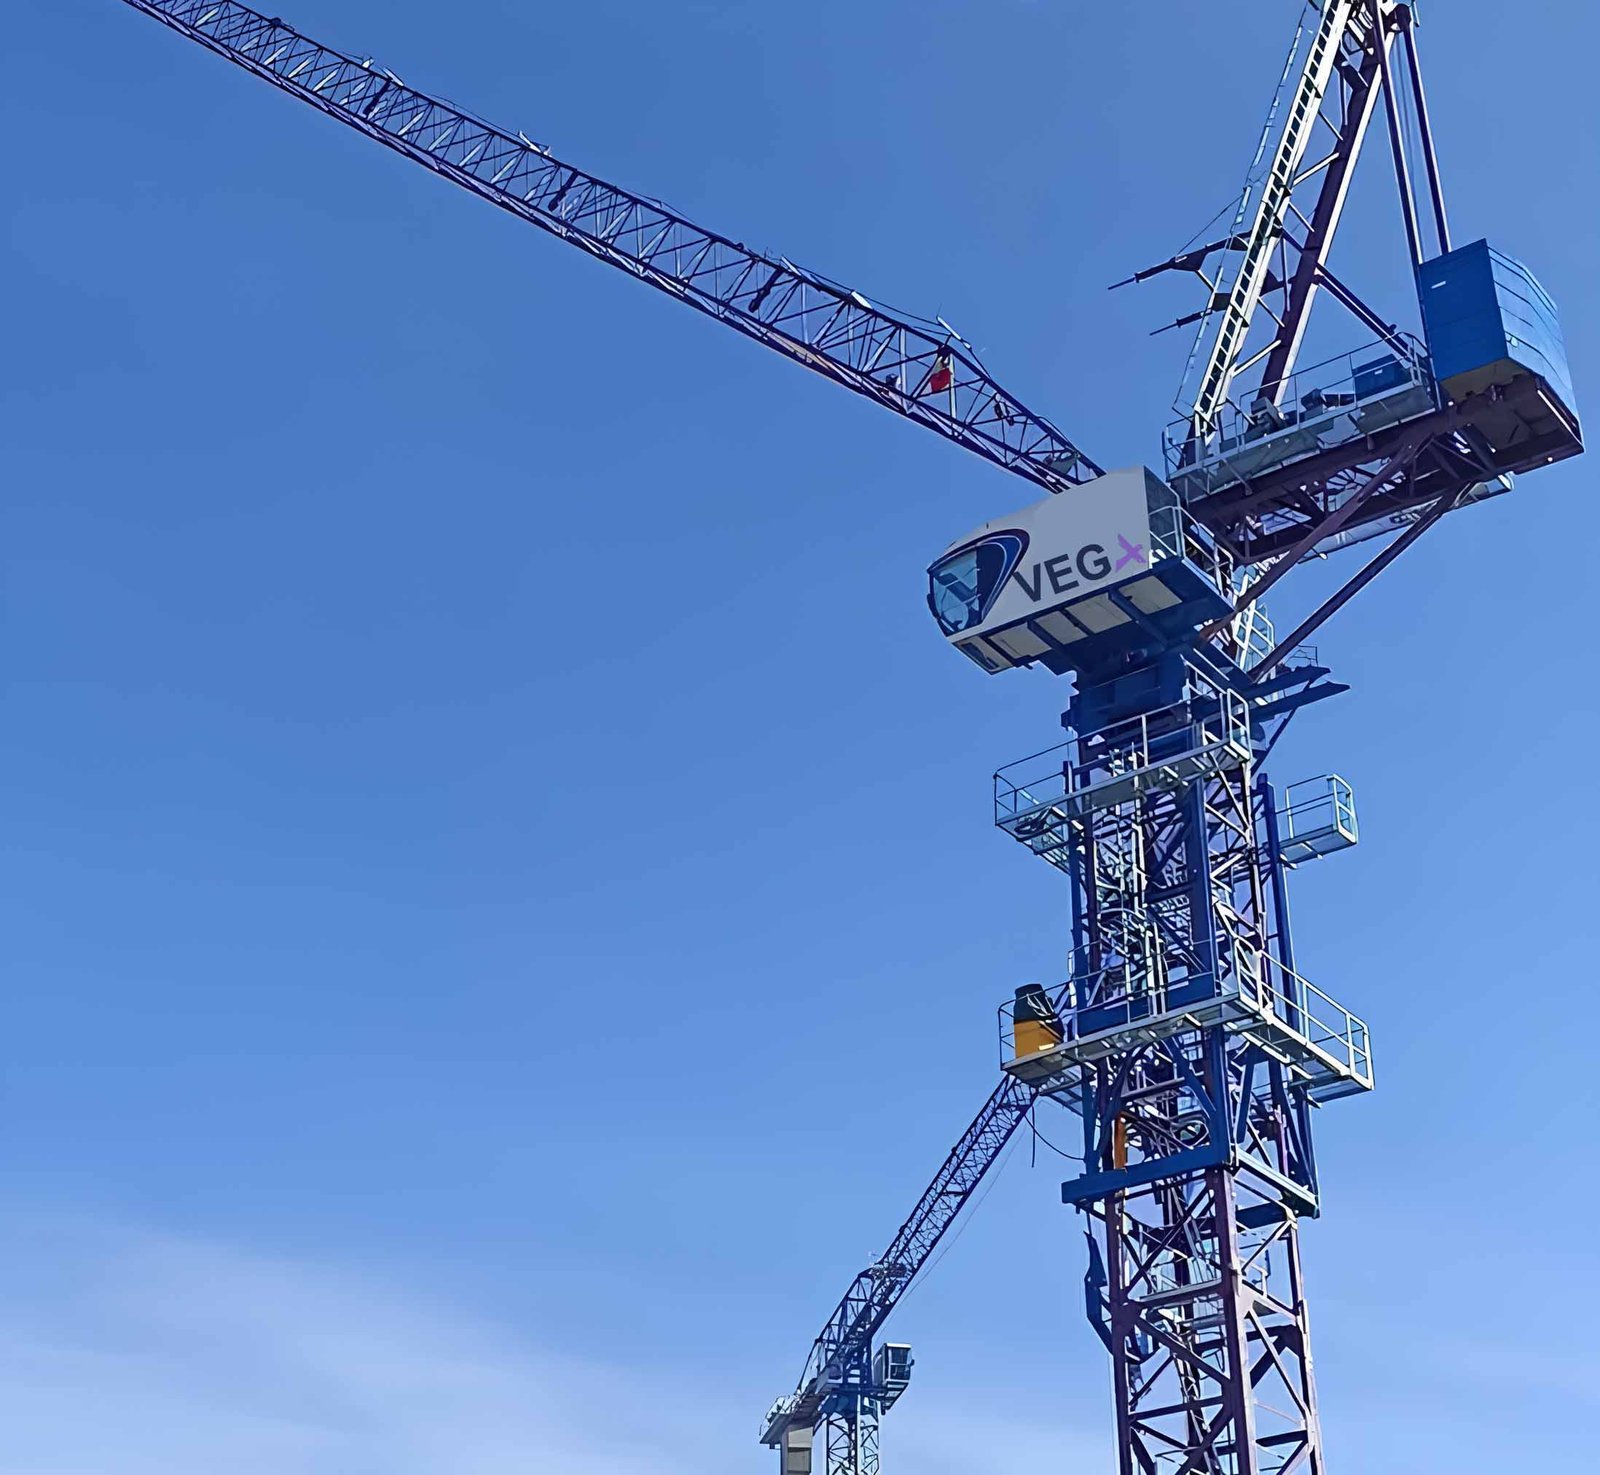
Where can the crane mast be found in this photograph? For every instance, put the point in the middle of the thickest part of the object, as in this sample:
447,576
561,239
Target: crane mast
1184,1038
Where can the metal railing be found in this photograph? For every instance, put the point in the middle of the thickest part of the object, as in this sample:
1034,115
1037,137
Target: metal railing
1180,1270
1245,988
1175,534
1316,817
1285,999
1156,749
1326,403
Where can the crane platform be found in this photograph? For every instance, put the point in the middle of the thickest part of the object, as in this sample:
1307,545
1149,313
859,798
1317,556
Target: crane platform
1346,398
1316,818
1037,798
1104,1011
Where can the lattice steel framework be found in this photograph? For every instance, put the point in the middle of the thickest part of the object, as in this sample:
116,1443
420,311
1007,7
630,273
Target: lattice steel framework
838,1393
1207,1351
1263,276
850,1435
919,369
1185,1032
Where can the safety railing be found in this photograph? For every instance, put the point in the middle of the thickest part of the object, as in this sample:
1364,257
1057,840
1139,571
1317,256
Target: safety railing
1182,1272
1255,637
1287,1002
1159,749
1105,1005
1325,404
1317,816
1175,534
777,1416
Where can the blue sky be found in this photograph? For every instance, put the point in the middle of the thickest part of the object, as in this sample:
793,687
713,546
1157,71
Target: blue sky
501,903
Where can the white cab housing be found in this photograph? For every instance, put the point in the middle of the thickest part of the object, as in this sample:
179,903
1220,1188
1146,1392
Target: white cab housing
1066,570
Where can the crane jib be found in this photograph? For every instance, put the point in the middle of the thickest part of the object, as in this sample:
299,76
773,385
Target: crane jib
846,1337
919,370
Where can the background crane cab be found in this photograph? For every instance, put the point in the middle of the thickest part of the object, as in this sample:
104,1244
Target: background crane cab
1076,580
794,1454
891,1370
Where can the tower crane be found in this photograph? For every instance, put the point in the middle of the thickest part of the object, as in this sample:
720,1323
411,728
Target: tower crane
847,1384
1183,1038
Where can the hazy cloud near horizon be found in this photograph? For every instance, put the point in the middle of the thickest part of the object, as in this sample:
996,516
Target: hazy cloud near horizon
137,1353
130,1352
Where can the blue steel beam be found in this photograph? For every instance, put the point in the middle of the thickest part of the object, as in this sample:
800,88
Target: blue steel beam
917,368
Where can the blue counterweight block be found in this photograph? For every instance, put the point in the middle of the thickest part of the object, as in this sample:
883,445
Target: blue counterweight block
1495,341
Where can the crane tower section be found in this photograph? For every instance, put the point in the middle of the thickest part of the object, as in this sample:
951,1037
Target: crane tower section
1183,1037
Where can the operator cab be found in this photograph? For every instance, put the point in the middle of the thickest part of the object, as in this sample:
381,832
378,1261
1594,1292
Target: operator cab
891,1371
962,586
1077,578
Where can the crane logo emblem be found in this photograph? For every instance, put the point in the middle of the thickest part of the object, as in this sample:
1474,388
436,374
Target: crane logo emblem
1069,571
1131,553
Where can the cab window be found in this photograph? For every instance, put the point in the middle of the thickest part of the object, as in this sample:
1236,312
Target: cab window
963,586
